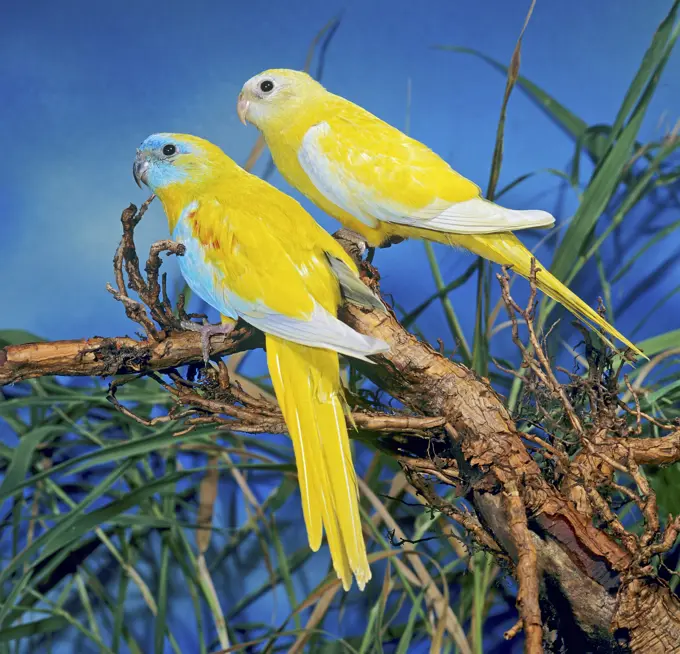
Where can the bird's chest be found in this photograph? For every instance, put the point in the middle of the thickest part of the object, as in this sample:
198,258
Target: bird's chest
284,146
317,172
201,270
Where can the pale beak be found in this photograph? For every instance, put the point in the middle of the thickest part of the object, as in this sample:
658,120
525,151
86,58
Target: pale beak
140,169
242,108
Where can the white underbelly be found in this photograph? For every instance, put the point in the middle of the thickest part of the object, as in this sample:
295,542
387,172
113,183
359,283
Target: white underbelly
203,278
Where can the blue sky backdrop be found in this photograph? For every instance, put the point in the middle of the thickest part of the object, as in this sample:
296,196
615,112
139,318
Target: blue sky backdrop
84,83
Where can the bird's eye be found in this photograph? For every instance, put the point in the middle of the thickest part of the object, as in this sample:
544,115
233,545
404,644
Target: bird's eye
266,86
169,150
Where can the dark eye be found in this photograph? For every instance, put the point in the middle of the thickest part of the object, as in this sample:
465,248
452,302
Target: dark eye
266,86
169,150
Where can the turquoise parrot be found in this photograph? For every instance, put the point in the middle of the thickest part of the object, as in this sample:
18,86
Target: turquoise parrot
253,252
383,184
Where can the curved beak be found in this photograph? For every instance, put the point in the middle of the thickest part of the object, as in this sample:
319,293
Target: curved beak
242,108
140,169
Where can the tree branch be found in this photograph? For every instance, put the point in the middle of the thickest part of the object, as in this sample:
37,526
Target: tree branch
100,357
541,524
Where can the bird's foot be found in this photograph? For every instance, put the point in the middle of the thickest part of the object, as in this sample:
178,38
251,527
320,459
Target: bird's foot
207,331
354,244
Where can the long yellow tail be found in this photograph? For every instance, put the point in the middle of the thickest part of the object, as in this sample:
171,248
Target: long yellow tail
506,249
307,385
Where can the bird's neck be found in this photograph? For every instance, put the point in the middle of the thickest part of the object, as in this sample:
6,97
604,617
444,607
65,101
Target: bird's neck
290,121
177,197
174,198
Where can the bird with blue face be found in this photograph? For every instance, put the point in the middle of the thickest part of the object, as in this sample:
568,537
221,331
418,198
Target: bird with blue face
253,252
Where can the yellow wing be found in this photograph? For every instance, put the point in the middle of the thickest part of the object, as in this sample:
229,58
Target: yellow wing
376,173
257,254
253,252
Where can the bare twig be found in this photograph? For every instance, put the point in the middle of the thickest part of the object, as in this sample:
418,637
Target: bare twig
457,433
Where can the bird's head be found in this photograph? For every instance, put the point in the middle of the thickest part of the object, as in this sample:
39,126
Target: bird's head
274,96
165,161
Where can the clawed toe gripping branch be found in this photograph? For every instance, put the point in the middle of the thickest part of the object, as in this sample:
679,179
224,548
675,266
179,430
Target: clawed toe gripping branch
537,490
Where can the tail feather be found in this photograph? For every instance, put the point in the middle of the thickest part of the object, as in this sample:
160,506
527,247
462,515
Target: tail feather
506,249
307,385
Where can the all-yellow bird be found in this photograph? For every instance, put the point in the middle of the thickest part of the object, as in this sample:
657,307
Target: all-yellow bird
253,252
381,183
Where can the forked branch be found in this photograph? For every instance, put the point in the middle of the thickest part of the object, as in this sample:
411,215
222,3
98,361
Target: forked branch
548,516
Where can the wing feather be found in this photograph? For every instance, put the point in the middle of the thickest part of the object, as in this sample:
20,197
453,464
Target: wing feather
273,270
319,329
352,288
376,173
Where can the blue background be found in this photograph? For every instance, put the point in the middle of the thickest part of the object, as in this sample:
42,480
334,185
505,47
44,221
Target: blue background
84,83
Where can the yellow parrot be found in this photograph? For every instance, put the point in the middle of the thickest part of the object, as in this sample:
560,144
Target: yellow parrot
381,183
253,252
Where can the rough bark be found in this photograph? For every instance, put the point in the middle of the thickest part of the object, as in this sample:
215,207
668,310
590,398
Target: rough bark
597,581
100,357
648,617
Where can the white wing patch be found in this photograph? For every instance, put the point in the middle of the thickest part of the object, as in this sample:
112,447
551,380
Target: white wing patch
337,184
477,216
330,179
320,329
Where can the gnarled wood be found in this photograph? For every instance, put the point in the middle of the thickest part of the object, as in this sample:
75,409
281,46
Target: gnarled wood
545,530
96,356
648,617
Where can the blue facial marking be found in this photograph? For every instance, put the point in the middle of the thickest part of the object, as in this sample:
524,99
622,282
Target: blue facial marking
156,142
163,170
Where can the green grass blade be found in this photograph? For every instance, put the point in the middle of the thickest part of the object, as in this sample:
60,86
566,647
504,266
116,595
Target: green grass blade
652,58
63,530
657,305
480,343
607,176
87,605
449,313
36,628
285,571
369,638
662,392
657,238
606,288
110,511
404,645
569,121
162,594
116,452
121,596
637,190
23,456
413,315
161,618
10,600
